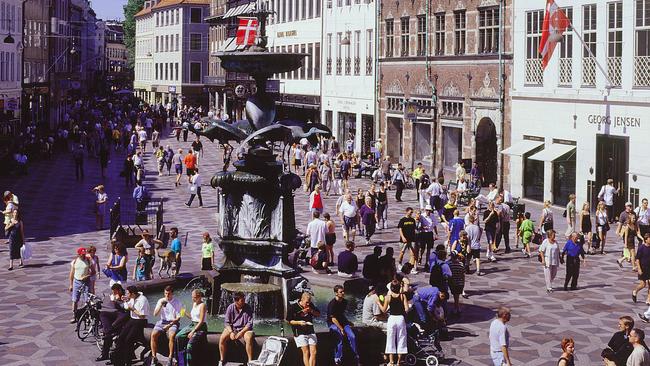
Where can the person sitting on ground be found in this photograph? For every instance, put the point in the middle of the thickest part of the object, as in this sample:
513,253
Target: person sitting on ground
113,317
195,332
169,309
371,314
301,317
371,265
348,264
318,261
238,324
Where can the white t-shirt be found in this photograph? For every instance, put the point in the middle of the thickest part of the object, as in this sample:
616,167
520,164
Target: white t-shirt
171,311
428,222
499,335
433,190
348,209
474,236
316,230
370,309
607,193
142,135
551,253
141,304
643,215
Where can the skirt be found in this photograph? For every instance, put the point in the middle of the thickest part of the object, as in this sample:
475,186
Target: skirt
14,249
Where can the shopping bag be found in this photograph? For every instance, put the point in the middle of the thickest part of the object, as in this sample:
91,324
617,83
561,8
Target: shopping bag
26,251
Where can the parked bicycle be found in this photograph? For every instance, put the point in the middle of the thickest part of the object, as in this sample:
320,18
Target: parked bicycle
89,324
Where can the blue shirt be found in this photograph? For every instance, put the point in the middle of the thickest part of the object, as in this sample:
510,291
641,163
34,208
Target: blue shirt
428,294
455,226
573,249
176,246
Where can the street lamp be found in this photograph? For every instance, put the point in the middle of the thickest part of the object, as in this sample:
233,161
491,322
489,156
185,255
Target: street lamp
9,39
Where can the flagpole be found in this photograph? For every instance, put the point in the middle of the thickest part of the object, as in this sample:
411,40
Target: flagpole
591,54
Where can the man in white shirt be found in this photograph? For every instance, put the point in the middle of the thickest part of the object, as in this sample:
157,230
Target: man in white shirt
195,188
428,225
316,230
500,338
643,217
492,194
138,306
142,138
433,193
606,194
169,309
348,213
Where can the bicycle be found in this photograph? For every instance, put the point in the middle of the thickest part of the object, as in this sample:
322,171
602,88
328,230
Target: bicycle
89,323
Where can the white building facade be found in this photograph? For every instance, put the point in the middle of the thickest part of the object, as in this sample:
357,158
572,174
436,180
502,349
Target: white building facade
570,130
144,66
10,58
296,27
348,63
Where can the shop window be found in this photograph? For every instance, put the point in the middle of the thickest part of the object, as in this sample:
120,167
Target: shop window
534,177
564,178
452,145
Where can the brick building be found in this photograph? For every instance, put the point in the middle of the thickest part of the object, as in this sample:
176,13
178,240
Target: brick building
445,56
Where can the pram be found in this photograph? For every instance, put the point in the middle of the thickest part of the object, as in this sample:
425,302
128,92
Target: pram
423,346
272,352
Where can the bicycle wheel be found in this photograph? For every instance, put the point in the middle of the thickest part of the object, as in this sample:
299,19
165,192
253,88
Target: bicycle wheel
84,326
98,333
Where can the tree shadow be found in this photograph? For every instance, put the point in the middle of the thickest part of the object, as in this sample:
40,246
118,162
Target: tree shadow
41,265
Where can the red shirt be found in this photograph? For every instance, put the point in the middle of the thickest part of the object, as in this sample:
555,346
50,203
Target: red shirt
318,202
190,161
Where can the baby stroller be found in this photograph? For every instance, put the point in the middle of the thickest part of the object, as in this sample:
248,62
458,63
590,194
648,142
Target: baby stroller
423,347
272,352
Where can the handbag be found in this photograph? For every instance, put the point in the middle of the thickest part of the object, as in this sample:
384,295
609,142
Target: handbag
537,238
26,251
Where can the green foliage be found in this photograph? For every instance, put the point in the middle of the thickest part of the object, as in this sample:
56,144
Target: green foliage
130,9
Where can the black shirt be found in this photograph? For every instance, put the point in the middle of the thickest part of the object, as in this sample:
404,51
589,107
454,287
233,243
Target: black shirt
197,146
370,266
336,309
296,313
382,197
348,262
491,224
622,348
407,224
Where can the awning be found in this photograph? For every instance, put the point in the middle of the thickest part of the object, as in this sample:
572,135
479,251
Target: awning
239,10
522,147
553,152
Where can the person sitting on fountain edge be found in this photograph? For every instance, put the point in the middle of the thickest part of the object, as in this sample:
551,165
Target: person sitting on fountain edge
301,317
238,322
371,265
340,326
348,264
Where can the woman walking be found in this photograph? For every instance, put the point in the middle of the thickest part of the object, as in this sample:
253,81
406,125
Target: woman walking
585,225
195,332
101,201
326,176
15,231
396,304
382,206
630,234
546,221
567,358
549,253
490,219
207,253
368,218
457,279
360,200
602,225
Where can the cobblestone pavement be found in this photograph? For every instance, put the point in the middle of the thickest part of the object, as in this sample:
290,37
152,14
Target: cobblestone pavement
36,305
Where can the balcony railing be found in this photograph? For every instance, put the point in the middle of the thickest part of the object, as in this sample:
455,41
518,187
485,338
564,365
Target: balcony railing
338,66
614,70
357,66
641,70
534,73
348,65
565,71
369,65
328,66
589,71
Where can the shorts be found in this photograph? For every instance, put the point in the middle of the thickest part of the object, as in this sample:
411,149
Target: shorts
645,276
77,288
161,323
349,222
190,172
297,162
474,254
403,246
330,238
179,169
305,340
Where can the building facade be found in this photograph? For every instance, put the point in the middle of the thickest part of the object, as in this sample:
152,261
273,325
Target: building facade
447,63
11,46
296,27
585,118
179,50
117,67
215,81
36,52
62,51
349,79
144,47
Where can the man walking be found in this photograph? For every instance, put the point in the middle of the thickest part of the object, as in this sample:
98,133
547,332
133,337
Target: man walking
195,188
406,228
399,180
606,194
573,251
504,212
78,157
500,338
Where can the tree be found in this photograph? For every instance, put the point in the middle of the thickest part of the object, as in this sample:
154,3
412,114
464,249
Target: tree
131,8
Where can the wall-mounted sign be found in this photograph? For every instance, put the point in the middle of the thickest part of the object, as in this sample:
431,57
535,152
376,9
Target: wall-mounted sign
273,86
291,33
172,89
614,121
12,104
411,111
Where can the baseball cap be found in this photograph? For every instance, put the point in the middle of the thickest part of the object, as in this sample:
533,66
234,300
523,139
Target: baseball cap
81,251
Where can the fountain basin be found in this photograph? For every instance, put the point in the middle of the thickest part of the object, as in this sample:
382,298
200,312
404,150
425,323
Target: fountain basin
262,64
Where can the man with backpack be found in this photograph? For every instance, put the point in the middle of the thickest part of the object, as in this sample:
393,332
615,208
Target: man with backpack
440,273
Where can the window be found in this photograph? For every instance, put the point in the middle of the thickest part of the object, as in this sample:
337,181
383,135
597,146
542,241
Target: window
339,53
166,43
176,70
369,52
166,71
348,61
422,35
339,3
329,4
534,21
614,41
195,72
460,32
178,16
310,61
157,43
302,69
290,10
316,9
488,30
317,61
157,16
303,10
195,41
195,17
642,44
589,36
440,34
156,71
177,43
566,52
404,36
357,52
328,66
389,37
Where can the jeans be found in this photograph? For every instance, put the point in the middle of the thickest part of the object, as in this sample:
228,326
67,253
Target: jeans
370,230
198,193
420,309
338,352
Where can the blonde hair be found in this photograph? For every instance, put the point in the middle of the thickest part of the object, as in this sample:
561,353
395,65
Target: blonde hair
547,204
585,206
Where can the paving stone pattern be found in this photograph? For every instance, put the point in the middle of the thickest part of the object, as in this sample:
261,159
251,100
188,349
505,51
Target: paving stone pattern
58,218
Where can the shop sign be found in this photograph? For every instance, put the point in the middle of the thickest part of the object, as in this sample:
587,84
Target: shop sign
291,33
614,121
411,111
172,89
12,104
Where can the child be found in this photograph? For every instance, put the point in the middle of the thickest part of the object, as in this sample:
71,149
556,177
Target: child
520,219
527,231
141,270
94,262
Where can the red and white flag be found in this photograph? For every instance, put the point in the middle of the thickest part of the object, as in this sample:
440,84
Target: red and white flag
247,31
555,23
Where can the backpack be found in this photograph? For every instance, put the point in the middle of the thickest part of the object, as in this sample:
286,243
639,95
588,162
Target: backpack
425,181
437,278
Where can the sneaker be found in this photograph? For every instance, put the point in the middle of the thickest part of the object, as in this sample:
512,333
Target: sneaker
480,273
634,297
643,318
220,363
414,271
464,295
73,320
492,259
187,204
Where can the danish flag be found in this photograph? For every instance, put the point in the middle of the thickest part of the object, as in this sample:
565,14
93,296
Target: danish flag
555,23
247,31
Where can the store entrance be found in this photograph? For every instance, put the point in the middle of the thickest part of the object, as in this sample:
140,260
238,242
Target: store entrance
612,162
486,150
